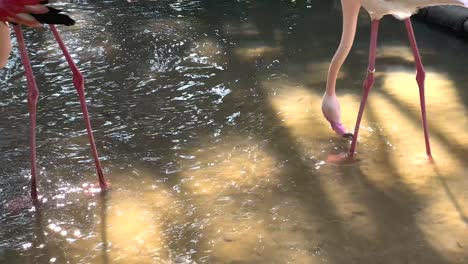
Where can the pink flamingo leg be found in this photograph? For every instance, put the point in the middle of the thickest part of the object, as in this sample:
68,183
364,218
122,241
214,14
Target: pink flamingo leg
368,83
78,81
33,94
420,78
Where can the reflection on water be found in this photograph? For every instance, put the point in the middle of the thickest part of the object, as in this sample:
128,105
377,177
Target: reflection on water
207,118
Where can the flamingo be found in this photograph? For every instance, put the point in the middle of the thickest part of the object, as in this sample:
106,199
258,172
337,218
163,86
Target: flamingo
401,10
34,13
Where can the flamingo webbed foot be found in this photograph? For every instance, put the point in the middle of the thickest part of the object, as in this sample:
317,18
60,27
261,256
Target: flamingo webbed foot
342,158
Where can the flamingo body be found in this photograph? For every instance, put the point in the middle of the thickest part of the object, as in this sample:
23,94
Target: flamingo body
54,17
403,9
32,12
400,9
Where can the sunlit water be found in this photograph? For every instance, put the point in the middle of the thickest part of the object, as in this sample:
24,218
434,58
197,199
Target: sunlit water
207,119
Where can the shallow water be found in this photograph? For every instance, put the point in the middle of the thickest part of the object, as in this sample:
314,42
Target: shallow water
207,119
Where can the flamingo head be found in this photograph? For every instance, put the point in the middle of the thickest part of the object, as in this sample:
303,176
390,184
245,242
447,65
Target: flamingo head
332,112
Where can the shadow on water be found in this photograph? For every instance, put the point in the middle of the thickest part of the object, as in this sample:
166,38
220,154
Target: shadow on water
450,194
190,101
105,243
284,147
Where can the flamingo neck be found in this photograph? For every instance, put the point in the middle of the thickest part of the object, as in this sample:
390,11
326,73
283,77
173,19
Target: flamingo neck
350,15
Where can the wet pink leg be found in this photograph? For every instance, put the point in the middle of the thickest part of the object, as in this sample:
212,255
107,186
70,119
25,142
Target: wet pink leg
33,94
368,83
420,78
78,81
